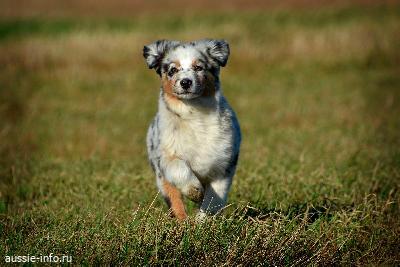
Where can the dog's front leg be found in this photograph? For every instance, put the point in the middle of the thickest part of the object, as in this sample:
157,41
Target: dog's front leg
215,197
178,173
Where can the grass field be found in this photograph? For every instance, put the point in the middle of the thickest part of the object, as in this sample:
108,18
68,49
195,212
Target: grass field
317,93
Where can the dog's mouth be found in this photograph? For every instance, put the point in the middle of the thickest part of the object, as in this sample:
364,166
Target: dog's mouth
183,93
187,94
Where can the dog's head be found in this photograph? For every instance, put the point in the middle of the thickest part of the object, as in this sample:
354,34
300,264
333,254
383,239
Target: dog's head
188,70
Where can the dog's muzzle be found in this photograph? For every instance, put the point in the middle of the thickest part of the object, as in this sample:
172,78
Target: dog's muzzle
187,87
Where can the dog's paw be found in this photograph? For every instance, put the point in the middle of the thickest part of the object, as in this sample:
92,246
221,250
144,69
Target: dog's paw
201,216
195,194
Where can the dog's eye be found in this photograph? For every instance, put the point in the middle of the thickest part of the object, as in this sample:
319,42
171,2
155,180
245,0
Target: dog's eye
198,68
172,71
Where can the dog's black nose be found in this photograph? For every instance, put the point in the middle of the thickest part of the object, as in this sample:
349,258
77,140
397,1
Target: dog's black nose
186,83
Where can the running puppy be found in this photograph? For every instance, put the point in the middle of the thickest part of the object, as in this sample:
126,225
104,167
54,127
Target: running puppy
193,142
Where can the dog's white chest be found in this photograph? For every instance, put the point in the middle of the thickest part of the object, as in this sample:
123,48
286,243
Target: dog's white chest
198,140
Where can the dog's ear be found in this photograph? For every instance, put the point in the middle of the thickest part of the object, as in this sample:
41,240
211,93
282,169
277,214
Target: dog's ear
216,50
154,53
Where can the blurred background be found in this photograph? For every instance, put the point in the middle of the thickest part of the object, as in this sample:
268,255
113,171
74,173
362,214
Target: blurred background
315,85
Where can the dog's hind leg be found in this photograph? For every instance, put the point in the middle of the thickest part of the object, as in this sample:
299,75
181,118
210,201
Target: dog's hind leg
173,198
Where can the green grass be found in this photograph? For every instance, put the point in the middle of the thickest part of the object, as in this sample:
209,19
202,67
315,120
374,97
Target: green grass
317,94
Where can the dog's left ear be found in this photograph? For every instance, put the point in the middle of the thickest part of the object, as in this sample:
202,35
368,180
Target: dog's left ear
155,52
217,50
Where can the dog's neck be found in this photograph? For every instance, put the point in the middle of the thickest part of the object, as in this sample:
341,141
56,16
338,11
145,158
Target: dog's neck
189,108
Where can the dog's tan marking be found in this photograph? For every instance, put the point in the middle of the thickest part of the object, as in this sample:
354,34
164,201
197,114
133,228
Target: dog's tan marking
167,86
175,200
171,157
177,64
168,83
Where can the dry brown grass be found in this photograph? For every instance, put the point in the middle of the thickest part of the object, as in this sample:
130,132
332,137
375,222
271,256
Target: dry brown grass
129,8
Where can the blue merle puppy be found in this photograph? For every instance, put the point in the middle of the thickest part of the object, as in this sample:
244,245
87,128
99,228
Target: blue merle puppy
193,142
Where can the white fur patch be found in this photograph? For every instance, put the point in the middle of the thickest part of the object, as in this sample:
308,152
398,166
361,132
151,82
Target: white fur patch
185,56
